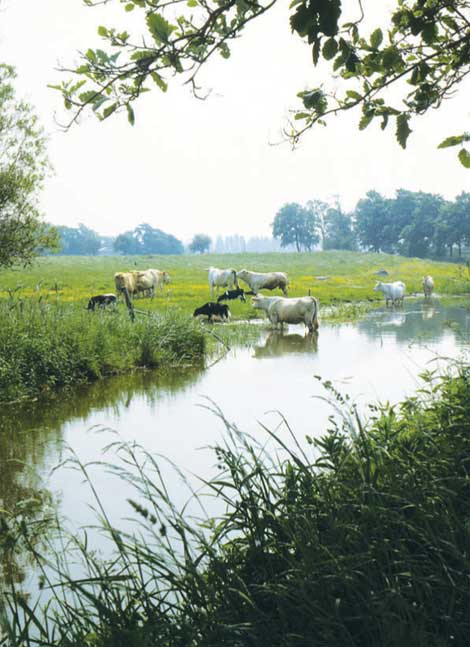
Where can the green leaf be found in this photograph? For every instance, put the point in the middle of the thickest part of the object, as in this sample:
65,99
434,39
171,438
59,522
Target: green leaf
464,157
452,141
130,115
316,51
159,81
102,31
159,27
130,6
376,38
403,130
109,110
429,33
353,95
192,3
330,49
365,121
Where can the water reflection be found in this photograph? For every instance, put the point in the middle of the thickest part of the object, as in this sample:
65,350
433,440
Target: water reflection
159,412
31,442
277,344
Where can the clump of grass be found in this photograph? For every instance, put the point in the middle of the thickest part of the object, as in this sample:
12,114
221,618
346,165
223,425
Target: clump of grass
45,347
362,541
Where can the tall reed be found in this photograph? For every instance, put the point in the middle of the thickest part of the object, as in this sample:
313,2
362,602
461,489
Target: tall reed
361,538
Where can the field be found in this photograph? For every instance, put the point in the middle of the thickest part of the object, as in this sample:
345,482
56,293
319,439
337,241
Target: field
350,277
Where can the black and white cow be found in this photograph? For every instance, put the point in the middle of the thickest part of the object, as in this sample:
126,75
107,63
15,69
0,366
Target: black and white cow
102,300
211,309
230,295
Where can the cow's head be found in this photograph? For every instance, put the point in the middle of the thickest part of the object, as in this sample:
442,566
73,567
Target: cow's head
378,286
166,278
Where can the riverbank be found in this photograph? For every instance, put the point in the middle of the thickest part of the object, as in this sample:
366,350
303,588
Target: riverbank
361,539
45,347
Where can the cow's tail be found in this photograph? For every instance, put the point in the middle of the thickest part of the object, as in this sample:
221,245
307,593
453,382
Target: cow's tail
315,322
235,278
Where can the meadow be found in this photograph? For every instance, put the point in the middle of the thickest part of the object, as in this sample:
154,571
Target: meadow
48,339
345,277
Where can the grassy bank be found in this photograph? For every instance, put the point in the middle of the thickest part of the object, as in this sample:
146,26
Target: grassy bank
344,277
362,540
45,347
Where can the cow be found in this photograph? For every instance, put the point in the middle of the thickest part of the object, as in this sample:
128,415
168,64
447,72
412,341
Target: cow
428,286
126,281
102,300
281,310
151,280
394,292
264,281
221,279
211,309
230,295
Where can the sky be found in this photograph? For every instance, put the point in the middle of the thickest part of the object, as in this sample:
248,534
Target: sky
217,166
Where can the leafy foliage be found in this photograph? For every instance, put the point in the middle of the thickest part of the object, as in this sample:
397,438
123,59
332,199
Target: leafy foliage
200,243
79,240
421,49
144,239
296,225
23,164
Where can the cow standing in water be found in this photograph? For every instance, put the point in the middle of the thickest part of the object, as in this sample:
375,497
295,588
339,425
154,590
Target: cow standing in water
428,286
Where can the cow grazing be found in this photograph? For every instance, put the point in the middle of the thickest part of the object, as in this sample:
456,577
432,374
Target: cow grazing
221,279
428,286
218,310
394,292
230,295
264,280
126,281
149,281
102,300
281,310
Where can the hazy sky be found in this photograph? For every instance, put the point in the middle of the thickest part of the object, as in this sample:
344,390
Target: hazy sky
189,166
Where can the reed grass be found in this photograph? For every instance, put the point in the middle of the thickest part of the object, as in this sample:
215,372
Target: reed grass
47,346
360,538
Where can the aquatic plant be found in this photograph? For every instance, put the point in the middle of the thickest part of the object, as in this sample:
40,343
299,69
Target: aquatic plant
358,538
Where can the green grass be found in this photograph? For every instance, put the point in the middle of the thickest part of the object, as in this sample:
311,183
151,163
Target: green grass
44,347
363,539
351,277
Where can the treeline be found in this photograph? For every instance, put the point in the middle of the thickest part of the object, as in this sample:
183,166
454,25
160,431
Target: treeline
411,224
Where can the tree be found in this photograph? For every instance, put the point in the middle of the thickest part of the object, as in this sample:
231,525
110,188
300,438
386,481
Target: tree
296,225
200,243
23,165
79,241
339,233
144,239
372,216
421,48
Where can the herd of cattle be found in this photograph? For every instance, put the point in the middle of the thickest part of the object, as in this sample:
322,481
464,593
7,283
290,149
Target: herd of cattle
279,310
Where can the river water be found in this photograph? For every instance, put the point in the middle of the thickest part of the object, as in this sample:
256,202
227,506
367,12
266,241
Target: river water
376,358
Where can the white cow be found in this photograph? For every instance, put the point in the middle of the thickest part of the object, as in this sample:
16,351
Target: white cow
148,281
281,310
264,280
394,292
428,286
221,279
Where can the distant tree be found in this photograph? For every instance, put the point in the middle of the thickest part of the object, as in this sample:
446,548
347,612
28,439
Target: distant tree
419,213
456,216
79,241
200,243
296,225
144,239
23,165
372,217
338,230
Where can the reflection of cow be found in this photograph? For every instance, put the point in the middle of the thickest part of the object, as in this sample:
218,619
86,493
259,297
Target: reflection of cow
391,318
427,311
278,344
